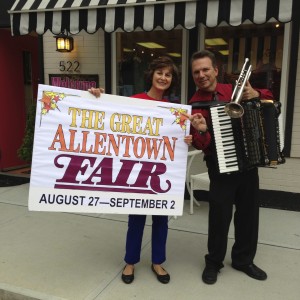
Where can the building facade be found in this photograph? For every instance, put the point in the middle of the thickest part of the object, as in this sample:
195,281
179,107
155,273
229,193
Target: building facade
115,40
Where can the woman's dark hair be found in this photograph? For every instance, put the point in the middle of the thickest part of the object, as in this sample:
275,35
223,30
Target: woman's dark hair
202,54
159,63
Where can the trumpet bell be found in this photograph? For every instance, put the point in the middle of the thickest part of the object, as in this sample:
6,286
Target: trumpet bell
234,110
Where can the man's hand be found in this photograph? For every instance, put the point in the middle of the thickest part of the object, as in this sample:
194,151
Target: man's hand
197,121
249,92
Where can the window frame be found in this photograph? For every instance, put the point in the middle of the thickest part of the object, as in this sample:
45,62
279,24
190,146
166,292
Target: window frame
184,62
284,70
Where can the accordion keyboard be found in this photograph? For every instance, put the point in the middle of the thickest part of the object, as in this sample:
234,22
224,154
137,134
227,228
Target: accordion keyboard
224,140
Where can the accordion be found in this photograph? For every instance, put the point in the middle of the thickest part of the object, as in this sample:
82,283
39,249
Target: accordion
249,141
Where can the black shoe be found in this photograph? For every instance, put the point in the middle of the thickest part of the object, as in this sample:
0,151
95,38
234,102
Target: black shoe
128,278
161,278
210,274
252,270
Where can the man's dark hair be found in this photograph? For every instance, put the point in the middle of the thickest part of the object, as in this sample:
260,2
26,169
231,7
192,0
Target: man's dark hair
202,54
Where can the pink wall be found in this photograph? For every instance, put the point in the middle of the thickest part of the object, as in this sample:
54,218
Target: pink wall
12,102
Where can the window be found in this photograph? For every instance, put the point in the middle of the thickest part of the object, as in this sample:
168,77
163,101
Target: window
135,50
262,44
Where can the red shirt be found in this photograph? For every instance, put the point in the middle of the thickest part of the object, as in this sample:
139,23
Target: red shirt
146,97
224,92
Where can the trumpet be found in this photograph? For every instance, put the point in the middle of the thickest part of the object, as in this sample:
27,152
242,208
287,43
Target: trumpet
234,108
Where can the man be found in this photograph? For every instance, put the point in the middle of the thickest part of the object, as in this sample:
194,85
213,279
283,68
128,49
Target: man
227,189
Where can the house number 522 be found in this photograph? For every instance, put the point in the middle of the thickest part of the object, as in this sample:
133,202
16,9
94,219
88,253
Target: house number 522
69,66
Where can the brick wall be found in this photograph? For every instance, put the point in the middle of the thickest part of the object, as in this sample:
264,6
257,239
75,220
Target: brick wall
285,178
88,51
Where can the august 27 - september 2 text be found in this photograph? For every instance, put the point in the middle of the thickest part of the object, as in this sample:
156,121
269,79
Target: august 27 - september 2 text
82,200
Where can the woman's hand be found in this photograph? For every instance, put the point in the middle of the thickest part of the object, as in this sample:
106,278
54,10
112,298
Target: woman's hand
96,91
188,139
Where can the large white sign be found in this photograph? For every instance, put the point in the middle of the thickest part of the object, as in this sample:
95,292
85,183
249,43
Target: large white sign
107,155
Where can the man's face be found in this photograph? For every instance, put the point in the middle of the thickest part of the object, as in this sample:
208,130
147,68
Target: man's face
204,74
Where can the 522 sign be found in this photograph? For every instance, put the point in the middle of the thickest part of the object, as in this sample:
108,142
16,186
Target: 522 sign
69,66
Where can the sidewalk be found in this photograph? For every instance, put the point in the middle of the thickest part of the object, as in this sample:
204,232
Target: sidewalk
80,256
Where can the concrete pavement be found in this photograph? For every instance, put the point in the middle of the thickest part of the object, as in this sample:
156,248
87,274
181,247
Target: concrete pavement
46,255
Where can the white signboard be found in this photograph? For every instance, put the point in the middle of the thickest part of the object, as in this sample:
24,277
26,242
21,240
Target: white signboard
107,155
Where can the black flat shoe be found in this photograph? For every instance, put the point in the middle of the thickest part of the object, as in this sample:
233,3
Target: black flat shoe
252,270
128,278
161,278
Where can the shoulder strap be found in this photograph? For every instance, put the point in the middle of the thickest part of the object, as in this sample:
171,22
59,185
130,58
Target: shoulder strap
206,104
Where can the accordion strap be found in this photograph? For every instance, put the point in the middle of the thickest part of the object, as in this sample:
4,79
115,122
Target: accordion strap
206,104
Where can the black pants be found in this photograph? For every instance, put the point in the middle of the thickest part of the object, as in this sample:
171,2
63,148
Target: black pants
226,190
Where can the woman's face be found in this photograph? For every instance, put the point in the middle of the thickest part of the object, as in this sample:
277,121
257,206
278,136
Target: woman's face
162,78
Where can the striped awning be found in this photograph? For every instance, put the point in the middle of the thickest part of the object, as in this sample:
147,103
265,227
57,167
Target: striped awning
72,16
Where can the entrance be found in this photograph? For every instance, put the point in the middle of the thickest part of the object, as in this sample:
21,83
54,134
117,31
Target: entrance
134,52
19,80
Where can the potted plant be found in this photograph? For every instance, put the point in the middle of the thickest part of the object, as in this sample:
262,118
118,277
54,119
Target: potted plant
25,151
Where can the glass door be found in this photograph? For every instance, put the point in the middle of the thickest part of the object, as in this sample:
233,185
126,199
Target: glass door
262,44
134,52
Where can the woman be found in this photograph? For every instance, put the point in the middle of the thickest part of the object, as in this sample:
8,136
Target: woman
162,76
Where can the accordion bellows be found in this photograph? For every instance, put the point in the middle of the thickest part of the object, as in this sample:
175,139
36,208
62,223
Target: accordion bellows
249,141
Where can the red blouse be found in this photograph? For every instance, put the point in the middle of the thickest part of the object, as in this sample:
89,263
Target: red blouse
146,97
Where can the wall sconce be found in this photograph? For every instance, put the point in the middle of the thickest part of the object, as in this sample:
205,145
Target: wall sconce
64,43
